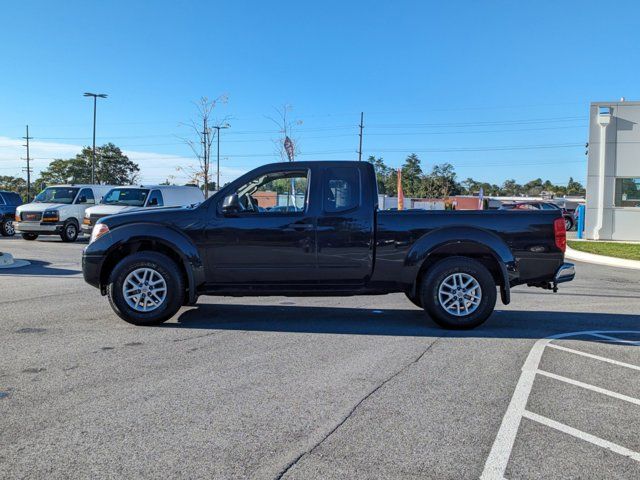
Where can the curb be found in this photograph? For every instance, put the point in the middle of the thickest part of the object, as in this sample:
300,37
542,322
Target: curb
601,259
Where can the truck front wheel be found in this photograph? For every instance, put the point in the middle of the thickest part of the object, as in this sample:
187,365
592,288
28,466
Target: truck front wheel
458,293
145,288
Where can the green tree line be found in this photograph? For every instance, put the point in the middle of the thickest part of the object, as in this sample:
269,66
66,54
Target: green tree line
442,181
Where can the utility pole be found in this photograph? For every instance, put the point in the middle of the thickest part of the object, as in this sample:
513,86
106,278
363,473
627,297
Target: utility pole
361,127
205,155
28,169
218,127
93,163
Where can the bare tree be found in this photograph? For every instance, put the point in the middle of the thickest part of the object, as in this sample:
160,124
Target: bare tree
200,141
286,128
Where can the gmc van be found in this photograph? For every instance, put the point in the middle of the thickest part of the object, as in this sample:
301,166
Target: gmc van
124,199
58,210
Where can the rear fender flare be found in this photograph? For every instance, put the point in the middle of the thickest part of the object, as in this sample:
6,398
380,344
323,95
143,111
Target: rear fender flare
443,238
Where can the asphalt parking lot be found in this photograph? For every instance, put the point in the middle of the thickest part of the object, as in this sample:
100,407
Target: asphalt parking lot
362,387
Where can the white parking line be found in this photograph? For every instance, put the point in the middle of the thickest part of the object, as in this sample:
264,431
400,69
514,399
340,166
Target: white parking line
595,357
588,386
500,453
614,447
614,339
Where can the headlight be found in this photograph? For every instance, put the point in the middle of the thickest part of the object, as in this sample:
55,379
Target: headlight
50,216
99,230
17,218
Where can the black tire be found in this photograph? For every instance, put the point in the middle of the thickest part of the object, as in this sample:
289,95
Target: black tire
415,300
442,270
29,236
164,266
69,232
568,223
6,229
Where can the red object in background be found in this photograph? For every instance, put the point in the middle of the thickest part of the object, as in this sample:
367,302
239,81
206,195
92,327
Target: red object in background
560,231
400,193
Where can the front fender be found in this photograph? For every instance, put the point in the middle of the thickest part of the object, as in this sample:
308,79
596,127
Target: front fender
158,233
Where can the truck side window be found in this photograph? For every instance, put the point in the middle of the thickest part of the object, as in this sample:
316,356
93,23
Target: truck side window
86,197
155,199
277,192
341,189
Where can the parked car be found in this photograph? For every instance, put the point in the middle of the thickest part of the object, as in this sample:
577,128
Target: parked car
58,210
150,262
122,199
8,203
569,218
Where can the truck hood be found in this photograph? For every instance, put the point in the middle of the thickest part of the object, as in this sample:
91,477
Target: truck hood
165,215
108,209
40,207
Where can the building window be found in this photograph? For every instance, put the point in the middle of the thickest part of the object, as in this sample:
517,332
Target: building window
627,192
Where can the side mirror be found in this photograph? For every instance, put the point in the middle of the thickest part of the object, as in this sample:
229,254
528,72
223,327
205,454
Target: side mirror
153,202
82,199
231,204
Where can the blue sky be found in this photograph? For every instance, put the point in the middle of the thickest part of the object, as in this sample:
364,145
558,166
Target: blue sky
499,89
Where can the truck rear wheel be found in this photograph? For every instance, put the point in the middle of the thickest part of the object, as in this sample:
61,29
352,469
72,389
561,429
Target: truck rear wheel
145,288
29,236
458,293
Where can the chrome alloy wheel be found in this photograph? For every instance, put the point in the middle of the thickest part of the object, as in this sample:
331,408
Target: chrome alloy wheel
9,228
460,294
144,290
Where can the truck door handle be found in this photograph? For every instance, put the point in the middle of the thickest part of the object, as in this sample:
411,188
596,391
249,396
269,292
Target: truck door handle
299,227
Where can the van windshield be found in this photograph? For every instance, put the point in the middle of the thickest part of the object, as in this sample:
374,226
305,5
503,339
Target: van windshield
56,195
130,197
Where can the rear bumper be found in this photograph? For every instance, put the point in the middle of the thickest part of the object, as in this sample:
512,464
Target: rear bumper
565,273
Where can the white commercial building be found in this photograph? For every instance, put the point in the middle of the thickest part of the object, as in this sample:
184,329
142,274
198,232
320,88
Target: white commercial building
613,175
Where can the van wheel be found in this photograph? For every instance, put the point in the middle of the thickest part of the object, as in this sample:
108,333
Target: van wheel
145,288
6,229
458,293
69,231
568,223
29,236
414,299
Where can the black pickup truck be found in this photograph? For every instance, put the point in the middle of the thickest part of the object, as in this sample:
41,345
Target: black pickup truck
330,240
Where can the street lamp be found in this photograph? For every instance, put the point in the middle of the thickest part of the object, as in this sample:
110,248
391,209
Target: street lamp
93,163
226,125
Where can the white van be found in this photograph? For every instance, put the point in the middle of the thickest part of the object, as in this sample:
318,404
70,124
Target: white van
58,210
123,199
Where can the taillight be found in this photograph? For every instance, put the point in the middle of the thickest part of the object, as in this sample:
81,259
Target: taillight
560,232
99,230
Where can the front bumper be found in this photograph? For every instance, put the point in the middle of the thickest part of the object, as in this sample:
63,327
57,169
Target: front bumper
91,266
565,273
40,228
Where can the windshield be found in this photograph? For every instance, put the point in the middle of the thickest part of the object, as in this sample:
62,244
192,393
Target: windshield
57,195
131,197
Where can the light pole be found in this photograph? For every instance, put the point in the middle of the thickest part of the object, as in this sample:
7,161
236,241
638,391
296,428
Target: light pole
218,127
93,163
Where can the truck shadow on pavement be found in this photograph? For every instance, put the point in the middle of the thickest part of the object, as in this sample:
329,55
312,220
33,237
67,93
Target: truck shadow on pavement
394,322
39,269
